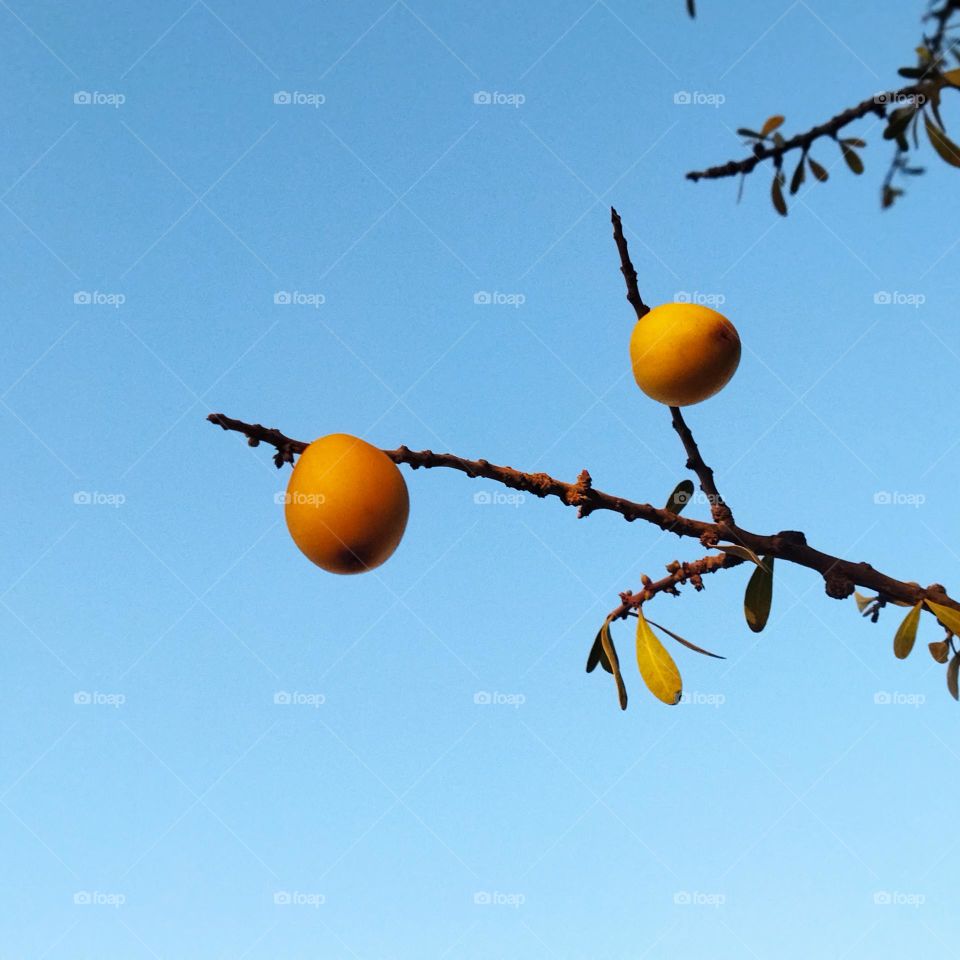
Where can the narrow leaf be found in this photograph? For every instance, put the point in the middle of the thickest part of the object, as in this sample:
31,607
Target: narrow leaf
940,650
796,182
907,633
611,652
862,601
854,142
771,124
692,8
686,643
680,497
747,132
949,617
776,194
759,595
738,551
657,668
952,671
597,655
853,158
819,172
947,149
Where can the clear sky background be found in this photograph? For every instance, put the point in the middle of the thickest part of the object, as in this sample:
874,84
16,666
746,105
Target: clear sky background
155,800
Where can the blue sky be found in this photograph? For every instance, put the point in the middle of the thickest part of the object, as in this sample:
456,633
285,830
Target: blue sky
155,798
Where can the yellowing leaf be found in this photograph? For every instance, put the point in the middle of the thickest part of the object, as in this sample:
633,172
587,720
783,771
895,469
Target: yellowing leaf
771,124
862,601
907,633
952,77
657,668
759,595
952,672
940,650
947,149
949,617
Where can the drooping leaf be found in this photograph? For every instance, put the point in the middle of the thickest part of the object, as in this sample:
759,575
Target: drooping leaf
686,643
770,124
952,670
597,655
680,497
776,194
853,158
862,601
611,654
944,146
949,617
898,121
692,8
819,172
907,633
939,650
759,595
889,196
657,668
744,553
796,181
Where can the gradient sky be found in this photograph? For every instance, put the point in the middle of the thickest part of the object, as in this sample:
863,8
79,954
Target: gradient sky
155,799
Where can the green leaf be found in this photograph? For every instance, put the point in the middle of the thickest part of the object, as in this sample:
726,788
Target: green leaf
759,595
680,497
657,668
939,650
597,655
949,617
611,653
852,157
776,194
686,643
796,181
771,124
947,149
907,633
952,671
819,172
862,601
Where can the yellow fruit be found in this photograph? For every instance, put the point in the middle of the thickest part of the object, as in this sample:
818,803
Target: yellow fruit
346,504
683,353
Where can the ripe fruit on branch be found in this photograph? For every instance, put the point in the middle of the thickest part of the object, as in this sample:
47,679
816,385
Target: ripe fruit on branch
346,504
683,353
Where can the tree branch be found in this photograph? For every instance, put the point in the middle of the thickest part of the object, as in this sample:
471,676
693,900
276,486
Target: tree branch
840,576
